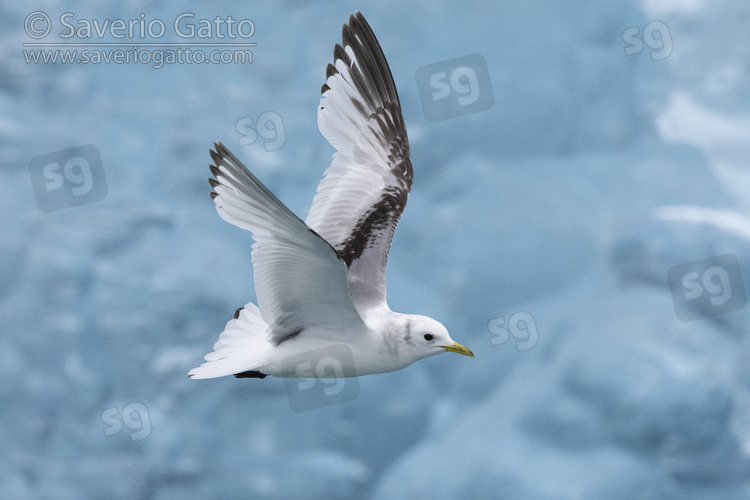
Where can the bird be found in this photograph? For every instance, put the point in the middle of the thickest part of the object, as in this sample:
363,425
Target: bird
320,283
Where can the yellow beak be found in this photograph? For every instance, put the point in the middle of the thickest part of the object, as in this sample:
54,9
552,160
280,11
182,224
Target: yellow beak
456,347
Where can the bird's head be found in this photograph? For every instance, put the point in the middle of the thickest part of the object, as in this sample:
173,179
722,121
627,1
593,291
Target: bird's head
424,337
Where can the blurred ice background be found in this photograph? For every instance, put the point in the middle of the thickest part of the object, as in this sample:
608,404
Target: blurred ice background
592,175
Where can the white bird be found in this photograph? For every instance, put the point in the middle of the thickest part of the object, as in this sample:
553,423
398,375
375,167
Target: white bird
320,283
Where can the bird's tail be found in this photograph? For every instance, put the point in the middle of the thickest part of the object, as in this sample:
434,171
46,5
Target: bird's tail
240,348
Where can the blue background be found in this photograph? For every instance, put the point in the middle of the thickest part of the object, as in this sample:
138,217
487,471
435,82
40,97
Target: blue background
592,175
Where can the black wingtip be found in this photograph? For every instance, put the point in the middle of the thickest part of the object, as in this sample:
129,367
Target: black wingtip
338,54
357,22
215,172
330,70
215,157
221,148
250,374
356,17
219,152
219,155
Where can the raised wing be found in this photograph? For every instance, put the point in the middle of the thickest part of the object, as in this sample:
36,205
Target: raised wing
300,281
363,193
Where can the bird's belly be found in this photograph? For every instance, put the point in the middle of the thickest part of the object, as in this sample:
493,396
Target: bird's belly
322,358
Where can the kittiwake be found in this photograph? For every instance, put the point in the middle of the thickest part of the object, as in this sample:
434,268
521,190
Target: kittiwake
320,284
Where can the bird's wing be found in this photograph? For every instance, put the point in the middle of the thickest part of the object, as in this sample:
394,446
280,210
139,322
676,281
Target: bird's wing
363,193
300,280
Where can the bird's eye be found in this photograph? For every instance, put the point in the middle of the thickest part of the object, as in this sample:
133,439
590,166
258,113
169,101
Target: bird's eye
428,336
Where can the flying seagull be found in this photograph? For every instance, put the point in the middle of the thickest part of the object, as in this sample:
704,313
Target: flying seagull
320,283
